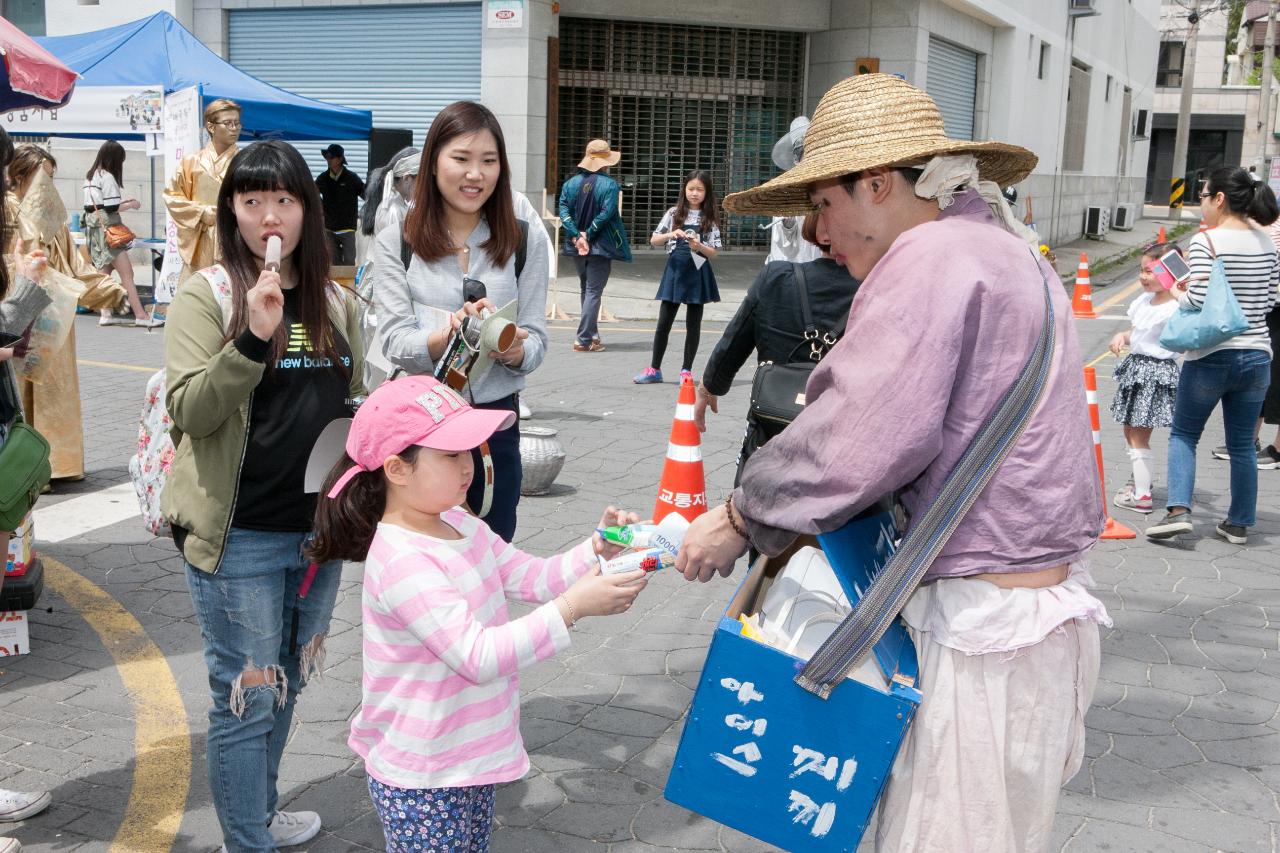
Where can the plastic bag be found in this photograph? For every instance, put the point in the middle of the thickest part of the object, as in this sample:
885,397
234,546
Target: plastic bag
52,325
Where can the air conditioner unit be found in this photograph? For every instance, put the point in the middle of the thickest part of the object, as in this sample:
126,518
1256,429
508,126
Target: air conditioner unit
1141,124
1097,221
1122,219
1080,8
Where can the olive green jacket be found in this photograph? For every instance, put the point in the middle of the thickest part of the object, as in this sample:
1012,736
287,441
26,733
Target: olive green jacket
210,384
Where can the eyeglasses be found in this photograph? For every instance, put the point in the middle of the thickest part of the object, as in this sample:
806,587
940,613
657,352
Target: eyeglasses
229,125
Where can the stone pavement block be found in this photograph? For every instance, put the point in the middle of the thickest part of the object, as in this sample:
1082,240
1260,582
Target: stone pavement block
655,694
1231,789
1217,829
1189,680
654,763
537,733
524,803
1101,806
625,721
1099,835
603,787
584,748
594,688
539,841
1157,752
591,821
1207,731
667,825
1139,647
736,842
1126,781
1255,684
1232,708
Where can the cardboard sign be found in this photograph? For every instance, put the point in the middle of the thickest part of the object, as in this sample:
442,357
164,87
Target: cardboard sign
14,637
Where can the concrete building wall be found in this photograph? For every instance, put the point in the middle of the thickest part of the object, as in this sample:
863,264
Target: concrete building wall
67,17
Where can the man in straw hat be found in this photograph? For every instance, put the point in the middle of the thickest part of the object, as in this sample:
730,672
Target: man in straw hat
952,304
594,234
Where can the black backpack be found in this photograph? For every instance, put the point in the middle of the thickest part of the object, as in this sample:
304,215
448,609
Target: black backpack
406,251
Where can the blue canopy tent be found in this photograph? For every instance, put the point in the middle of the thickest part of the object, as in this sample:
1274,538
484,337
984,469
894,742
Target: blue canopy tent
158,49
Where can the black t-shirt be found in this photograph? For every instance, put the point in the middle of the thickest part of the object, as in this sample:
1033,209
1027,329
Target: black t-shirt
340,197
297,398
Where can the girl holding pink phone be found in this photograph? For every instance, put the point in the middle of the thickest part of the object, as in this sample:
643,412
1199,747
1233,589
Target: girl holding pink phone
1147,378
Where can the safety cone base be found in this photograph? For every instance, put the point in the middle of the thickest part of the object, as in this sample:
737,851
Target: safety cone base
1115,530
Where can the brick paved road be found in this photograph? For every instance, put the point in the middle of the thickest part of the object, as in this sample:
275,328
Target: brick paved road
1183,751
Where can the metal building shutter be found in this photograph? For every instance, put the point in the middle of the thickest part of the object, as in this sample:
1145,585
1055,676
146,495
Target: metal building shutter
952,82
405,63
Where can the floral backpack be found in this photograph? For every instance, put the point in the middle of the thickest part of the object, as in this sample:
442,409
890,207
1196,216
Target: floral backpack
149,467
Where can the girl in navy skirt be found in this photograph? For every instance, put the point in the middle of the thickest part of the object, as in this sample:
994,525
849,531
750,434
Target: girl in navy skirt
691,233
1146,380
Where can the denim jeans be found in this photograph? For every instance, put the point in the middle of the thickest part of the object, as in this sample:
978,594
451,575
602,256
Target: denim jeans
245,612
593,275
1238,378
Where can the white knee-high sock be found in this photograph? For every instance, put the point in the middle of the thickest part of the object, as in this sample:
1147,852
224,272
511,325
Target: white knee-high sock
1141,461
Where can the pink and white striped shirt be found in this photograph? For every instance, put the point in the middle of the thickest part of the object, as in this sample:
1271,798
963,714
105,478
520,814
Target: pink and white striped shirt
441,705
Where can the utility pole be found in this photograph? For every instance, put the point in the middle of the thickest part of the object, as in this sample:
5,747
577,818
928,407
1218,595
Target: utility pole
1264,107
1177,188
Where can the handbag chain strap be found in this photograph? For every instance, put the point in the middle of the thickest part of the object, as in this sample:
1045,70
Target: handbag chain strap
872,615
819,342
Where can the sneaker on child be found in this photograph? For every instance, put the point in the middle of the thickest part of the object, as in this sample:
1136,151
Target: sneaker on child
20,805
1126,499
648,376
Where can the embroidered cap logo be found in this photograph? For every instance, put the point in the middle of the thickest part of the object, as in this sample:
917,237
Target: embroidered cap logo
435,399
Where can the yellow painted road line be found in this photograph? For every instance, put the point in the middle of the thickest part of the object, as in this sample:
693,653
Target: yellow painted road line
1129,290
111,365
161,738
1099,358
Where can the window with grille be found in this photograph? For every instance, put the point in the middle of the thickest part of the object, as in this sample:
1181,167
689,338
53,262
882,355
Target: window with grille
674,98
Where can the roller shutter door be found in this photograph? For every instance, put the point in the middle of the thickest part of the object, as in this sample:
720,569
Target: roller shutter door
952,82
405,63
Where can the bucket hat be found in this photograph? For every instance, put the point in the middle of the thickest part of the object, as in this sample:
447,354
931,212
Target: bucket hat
599,155
869,121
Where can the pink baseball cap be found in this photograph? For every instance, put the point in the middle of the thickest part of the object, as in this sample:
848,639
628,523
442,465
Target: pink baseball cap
417,410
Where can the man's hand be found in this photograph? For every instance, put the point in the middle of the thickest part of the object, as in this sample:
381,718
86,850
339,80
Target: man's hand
705,400
709,546
514,356
581,244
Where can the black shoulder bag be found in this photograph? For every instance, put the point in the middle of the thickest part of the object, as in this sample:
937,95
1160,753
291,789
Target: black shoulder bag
777,390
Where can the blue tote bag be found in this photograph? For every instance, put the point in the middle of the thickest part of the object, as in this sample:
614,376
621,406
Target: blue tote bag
1220,318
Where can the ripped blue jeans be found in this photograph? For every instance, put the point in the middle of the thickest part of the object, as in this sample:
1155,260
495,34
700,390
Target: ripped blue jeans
245,612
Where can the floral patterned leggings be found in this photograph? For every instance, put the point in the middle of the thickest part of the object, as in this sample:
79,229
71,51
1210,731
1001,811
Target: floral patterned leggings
440,820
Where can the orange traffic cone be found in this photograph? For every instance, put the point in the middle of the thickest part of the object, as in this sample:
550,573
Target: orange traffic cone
1160,238
683,488
1082,300
1113,528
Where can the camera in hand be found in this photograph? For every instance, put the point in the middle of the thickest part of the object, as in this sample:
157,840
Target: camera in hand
465,355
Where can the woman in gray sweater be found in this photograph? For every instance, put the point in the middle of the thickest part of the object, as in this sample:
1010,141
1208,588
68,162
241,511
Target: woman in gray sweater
462,227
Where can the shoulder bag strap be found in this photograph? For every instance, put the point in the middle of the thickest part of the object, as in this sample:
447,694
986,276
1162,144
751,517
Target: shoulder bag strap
811,336
857,635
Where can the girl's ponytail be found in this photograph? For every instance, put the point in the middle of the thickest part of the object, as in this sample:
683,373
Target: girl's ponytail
345,525
1262,207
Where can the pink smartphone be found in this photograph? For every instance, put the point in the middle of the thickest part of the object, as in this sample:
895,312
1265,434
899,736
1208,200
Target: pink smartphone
1170,269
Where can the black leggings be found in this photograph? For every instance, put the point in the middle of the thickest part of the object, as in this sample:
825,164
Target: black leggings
693,331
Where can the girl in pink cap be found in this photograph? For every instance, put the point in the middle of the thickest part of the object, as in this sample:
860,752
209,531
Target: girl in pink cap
438,727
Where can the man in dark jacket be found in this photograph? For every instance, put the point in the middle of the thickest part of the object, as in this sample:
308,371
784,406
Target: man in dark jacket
594,234
340,192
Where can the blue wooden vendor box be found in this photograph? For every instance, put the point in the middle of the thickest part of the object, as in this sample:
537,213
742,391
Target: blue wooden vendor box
766,757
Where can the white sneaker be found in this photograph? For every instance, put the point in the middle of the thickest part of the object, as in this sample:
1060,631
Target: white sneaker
149,322
290,828
20,805
10,845
525,412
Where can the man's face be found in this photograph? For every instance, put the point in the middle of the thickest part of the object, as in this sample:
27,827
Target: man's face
850,222
224,128
334,161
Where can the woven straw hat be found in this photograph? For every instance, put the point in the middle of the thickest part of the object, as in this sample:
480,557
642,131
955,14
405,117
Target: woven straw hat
868,121
599,155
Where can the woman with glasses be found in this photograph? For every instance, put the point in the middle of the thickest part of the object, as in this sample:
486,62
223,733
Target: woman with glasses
192,194
1236,372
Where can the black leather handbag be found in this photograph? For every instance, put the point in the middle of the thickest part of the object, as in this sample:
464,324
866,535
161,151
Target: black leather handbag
777,390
